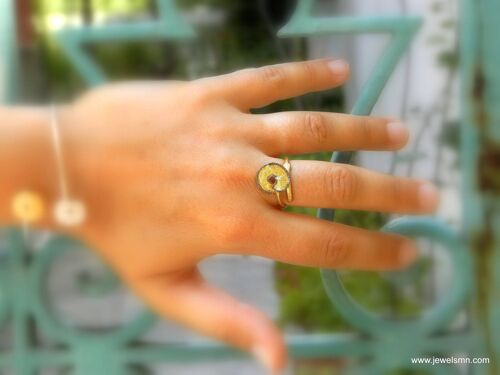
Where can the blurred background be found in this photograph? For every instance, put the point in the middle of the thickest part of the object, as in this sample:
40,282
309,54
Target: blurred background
228,35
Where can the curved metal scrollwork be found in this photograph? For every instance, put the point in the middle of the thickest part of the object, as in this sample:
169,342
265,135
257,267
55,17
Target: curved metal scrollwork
437,316
53,325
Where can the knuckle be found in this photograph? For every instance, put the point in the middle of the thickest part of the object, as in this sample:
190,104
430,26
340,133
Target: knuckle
391,255
366,129
199,93
236,229
234,178
229,332
273,75
216,131
224,169
317,126
405,196
335,251
224,333
201,98
397,189
341,182
310,69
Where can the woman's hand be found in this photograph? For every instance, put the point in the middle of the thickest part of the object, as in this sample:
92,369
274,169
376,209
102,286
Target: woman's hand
167,171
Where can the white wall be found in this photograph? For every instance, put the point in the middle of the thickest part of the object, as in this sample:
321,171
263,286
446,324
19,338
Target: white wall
419,81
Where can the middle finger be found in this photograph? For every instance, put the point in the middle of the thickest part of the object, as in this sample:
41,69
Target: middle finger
303,132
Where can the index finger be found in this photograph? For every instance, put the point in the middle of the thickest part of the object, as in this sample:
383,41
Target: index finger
258,87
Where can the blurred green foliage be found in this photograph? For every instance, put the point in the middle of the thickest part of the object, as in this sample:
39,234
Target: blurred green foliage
245,40
73,7
119,60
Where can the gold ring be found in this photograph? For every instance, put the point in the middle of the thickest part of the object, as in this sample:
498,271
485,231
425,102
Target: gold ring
276,179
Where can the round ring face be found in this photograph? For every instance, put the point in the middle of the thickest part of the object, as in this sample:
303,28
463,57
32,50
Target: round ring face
273,178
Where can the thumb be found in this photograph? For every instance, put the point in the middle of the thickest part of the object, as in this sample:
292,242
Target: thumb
188,299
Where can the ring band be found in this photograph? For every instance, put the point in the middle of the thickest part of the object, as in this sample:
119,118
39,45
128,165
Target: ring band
276,179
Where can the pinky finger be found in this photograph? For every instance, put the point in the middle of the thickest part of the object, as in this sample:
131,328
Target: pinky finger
307,241
191,301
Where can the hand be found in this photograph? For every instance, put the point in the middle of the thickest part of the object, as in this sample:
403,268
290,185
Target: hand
167,171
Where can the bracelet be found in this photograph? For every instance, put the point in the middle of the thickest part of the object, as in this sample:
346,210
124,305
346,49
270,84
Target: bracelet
68,212
28,206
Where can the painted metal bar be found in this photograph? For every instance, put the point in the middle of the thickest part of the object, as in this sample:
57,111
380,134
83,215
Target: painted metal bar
8,52
481,164
169,26
349,25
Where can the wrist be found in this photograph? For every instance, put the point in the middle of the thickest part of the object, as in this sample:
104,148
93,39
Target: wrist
28,161
25,163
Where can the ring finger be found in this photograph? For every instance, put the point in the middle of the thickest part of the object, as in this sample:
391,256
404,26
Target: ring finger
330,185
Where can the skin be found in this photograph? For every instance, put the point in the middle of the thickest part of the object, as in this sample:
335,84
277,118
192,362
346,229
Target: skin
167,173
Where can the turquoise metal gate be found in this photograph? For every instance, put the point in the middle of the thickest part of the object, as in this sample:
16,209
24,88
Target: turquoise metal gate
386,345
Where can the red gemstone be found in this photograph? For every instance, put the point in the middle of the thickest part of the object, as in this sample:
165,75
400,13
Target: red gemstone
272,179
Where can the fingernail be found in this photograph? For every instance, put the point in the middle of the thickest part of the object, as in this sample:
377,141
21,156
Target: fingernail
398,132
338,66
408,254
263,356
429,196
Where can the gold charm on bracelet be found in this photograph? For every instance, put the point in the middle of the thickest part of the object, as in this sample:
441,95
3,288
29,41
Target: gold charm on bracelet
69,212
28,207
